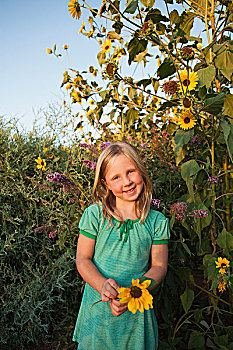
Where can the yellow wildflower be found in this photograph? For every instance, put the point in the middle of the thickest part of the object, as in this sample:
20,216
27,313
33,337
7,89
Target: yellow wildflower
82,28
41,163
186,120
49,51
74,8
221,264
106,47
222,286
65,47
188,81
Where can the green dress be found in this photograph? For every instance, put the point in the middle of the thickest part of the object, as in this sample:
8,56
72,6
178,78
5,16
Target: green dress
122,254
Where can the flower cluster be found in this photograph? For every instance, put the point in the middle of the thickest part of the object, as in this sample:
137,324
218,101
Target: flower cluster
52,234
104,145
62,180
43,229
178,210
155,202
200,213
222,264
165,134
84,145
196,139
213,179
89,164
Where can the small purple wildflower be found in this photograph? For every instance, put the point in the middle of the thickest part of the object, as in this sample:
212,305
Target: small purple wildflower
83,145
200,213
104,145
213,179
63,180
165,133
89,164
43,229
196,139
155,202
144,144
52,234
178,210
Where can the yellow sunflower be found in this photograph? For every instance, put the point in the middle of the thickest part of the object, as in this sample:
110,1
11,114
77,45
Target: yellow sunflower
137,296
221,264
186,120
222,286
41,163
188,81
74,8
65,47
49,51
106,47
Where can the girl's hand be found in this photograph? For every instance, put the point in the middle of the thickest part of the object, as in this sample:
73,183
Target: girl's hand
118,308
109,290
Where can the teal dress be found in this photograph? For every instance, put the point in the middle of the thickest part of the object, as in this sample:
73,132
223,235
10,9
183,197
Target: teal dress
122,254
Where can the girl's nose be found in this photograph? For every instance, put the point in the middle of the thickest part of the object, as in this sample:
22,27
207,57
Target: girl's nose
127,181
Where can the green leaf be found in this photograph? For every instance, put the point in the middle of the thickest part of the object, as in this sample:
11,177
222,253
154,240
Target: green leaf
210,270
213,105
228,136
101,58
182,137
113,35
189,169
166,69
187,299
224,58
174,17
196,341
131,6
103,94
228,106
136,46
187,19
131,116
206,76
148,3
155,16
228,28
225,241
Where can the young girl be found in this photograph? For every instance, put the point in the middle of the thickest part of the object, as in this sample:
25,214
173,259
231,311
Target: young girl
120,237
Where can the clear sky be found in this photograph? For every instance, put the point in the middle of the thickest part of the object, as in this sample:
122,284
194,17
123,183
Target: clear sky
30,79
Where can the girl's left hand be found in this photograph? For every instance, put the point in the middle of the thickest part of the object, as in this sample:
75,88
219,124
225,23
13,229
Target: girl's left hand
118,308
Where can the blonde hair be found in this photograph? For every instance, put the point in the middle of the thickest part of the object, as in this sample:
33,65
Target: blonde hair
103,195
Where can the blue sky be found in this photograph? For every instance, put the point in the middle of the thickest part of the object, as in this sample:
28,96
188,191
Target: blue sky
30,78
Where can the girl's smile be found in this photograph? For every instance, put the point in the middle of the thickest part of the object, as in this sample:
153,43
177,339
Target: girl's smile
123,179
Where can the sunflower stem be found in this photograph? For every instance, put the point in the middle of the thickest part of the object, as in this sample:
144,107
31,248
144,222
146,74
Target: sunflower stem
95,303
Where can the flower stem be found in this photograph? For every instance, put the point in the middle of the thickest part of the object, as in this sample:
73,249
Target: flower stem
95,303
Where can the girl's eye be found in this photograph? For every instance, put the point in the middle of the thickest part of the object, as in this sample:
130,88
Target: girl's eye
131,171
115,177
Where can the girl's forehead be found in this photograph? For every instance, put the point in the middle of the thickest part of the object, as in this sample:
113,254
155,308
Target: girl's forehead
119,163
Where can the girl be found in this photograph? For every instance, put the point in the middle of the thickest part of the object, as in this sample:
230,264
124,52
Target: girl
119,235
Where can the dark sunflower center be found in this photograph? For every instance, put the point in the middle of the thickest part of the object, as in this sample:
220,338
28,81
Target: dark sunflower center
135,292
107,47
223,266
186,102
187,120
186,82
42,163
110,69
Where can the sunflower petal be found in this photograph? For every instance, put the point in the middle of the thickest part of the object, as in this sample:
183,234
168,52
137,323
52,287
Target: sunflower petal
146,283
125,299
131,306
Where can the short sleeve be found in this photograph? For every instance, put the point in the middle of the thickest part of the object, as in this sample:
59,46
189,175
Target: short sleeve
89,222
161,230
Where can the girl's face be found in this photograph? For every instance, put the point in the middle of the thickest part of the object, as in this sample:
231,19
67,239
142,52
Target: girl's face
123,179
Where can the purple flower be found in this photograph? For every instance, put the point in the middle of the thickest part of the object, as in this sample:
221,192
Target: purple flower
165,134
178,210
43,229
89,164
196,139
104,145
200,213
213,179
155,202
83,145
63,180
144,144
52,234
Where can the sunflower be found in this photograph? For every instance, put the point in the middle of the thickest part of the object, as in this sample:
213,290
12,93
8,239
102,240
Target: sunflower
49,51
188,81
137,296
186,120
41,163
65,47
222,286
222,263
186,102
74,8
106,47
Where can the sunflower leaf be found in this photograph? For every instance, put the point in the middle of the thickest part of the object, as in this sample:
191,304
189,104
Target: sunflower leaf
228,107
187,299
225,241
206,76
131,6
214,104
166,69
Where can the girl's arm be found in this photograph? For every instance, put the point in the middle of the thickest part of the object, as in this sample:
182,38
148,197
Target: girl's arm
159,261
87,269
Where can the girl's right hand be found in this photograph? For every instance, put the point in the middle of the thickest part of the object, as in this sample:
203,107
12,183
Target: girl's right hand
109,290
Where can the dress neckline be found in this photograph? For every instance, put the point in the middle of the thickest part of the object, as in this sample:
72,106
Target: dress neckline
126,220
